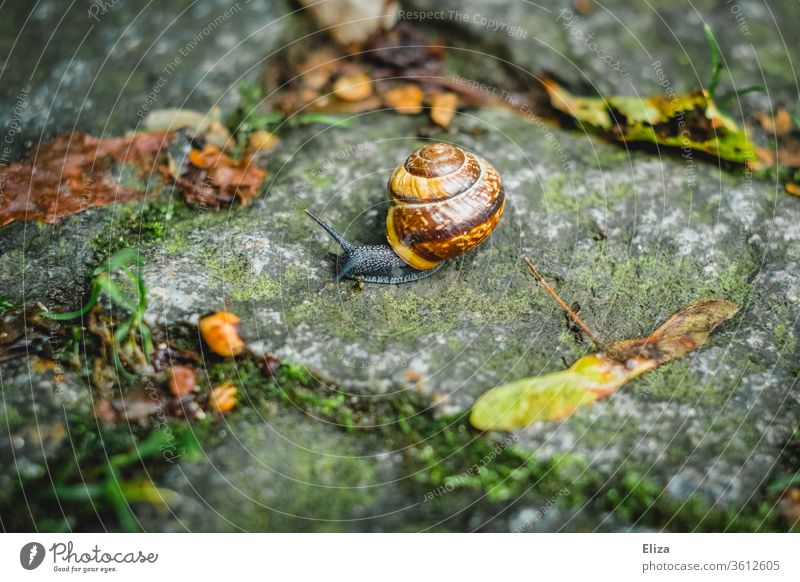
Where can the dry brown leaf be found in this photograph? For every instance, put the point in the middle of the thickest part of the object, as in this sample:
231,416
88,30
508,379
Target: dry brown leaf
788,152
789,504
318,68
137,404
406,98
582,7
334,106
104,411
443,108
70,173
213,179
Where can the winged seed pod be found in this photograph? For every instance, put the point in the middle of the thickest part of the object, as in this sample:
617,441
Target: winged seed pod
557,395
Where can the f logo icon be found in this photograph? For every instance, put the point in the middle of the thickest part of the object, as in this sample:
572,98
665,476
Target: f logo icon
31,555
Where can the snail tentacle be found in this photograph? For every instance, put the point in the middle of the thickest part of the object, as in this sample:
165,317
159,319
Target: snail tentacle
371,263
343,242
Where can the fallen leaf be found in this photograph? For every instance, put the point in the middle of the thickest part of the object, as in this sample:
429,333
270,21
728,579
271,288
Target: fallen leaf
557,395
406,98
270,366
690,120
213,179
182,380
71,173
223,397
355,87
793,189
443,107
165,354
788,152
406,53
221,334
335,106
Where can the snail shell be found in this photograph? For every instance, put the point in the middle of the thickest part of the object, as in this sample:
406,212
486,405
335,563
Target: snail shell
444,202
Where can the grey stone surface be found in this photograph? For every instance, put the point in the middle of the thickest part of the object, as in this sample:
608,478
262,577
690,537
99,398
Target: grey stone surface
676,231
93,66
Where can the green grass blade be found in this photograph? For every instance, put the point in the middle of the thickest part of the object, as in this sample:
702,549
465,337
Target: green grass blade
725,99
716,60
93,297
118,260
322,118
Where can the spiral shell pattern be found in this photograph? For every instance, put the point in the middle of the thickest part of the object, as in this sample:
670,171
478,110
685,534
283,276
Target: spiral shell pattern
444,202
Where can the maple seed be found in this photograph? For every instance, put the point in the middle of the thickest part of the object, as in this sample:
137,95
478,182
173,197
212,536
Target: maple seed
221,334
557,395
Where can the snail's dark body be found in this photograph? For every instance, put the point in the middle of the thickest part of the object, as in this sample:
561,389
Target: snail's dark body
444,203
371,263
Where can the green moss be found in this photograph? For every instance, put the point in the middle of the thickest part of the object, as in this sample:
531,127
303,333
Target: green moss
559,195
783,337
630,297
234,273
10,416
735,282
678,383
408,313
137,224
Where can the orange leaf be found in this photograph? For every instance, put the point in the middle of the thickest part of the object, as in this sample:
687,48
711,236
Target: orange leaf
221,334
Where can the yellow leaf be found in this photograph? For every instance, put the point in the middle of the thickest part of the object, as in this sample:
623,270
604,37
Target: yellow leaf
689,120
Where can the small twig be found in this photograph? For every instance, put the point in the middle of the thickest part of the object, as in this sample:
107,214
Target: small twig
538,276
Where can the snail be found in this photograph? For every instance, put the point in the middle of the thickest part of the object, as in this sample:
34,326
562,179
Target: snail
444,202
